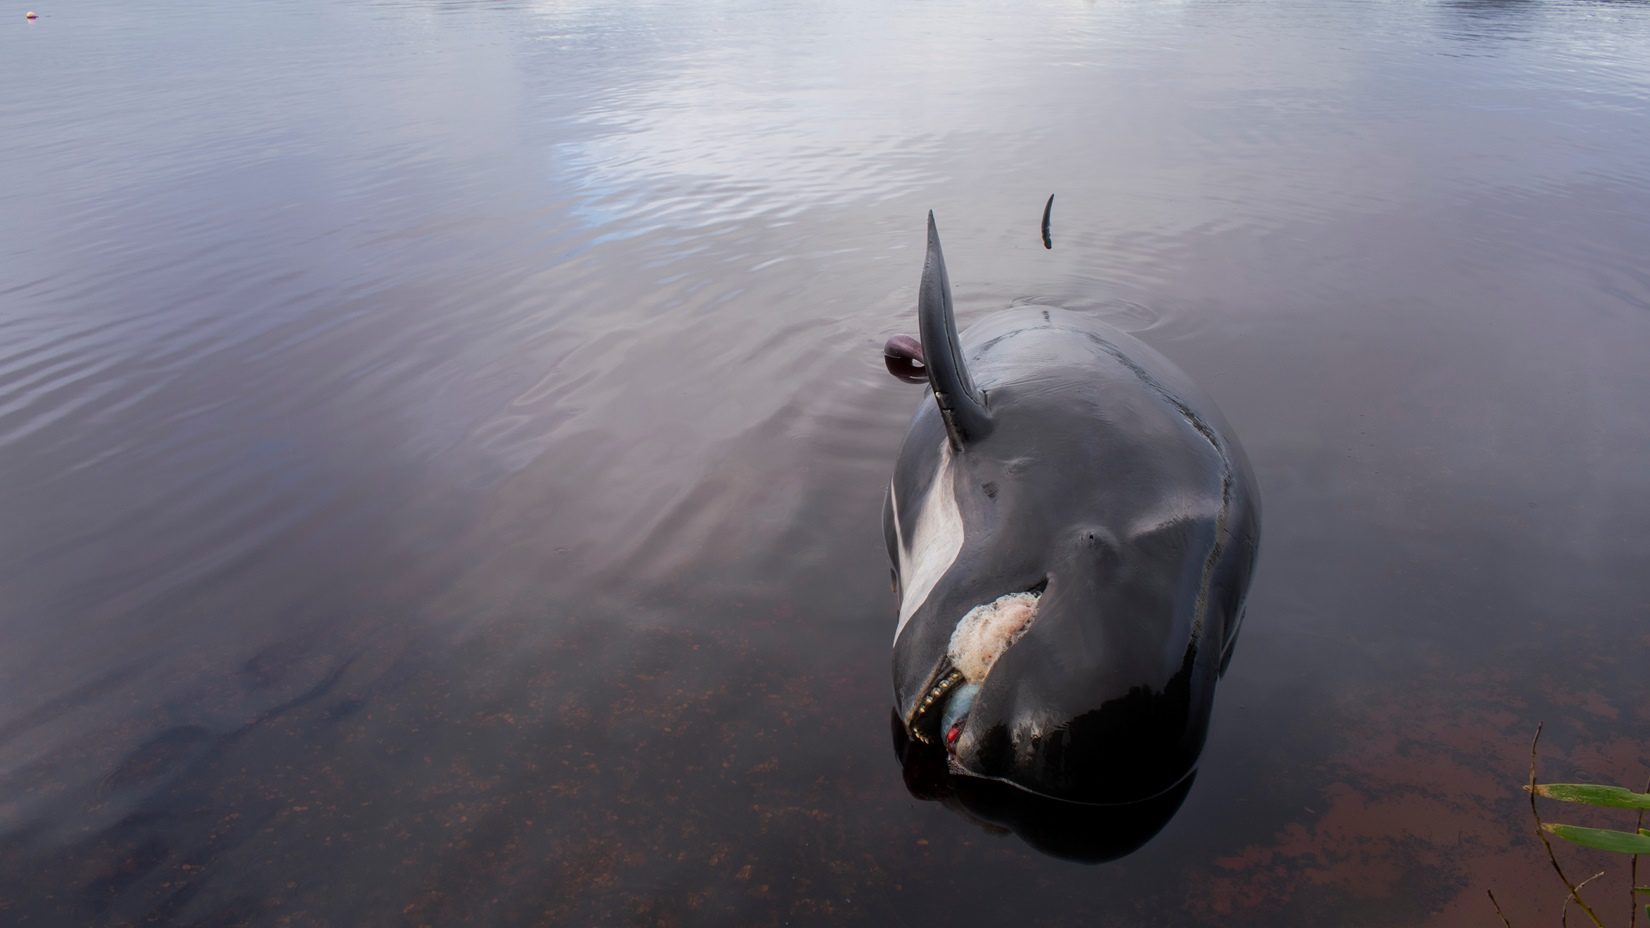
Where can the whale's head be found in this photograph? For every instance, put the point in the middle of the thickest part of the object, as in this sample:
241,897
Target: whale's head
1061,533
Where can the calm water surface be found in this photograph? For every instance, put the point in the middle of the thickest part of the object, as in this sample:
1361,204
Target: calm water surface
443,444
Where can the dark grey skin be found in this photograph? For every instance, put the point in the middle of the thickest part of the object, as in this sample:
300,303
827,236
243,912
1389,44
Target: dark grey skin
1086,465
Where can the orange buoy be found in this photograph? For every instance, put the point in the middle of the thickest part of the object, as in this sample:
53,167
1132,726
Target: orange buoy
30,15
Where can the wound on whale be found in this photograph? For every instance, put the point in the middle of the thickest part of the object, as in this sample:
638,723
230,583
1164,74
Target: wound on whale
1073,528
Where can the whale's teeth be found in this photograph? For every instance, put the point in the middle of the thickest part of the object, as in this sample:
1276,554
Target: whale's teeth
939,689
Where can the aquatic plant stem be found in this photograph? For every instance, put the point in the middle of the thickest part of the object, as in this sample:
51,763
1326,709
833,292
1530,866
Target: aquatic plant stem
1633,873
1564,913
1497,905
1575,891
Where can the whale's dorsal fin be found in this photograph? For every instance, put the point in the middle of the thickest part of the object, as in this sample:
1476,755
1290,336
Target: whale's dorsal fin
962,405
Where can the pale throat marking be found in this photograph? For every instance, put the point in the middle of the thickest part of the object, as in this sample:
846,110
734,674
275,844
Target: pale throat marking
935,542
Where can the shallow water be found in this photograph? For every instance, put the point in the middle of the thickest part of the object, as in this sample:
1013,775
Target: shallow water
443,445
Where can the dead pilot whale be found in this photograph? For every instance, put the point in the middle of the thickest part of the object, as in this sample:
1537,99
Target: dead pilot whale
1073,528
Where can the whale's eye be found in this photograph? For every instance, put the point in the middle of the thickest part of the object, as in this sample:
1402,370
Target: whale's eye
1097,538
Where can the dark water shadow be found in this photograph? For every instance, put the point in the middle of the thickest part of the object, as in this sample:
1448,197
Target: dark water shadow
1088,834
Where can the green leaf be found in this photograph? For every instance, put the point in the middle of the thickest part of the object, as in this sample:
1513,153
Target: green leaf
1611,797
1602,839
1642,890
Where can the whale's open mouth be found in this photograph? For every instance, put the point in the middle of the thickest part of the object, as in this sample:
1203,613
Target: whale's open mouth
981,637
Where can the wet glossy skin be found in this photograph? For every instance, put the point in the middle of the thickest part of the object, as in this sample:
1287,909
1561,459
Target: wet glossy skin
1109,477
